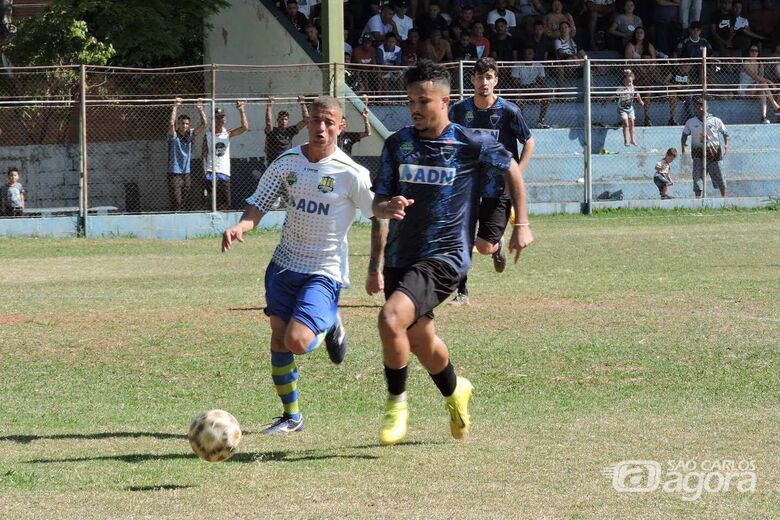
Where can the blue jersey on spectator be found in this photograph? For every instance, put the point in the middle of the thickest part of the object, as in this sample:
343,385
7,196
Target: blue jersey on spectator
504,121
442,176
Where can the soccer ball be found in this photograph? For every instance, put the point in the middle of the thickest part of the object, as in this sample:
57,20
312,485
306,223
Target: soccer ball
214,435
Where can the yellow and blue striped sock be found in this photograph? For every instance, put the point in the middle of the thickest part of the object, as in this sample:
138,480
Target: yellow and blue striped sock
284,372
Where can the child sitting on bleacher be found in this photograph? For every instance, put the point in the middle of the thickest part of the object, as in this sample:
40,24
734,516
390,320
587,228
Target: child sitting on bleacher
663,175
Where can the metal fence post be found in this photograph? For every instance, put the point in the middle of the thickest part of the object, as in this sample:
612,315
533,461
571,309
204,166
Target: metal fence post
213,150
83,174
588,125
704,124
460,79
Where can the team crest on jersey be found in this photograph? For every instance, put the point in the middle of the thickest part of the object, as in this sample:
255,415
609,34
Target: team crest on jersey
326,184
494,119
447,153
292,178
469,117
407,147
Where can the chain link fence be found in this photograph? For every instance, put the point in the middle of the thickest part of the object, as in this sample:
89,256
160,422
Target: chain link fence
575,110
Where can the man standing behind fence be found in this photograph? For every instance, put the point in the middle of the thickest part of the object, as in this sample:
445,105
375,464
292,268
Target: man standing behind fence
279,139
695,127
180,156
220,164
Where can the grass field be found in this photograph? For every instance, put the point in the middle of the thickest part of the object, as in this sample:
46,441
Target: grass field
618,337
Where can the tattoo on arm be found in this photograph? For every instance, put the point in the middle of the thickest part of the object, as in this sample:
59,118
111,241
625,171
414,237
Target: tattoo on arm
378,239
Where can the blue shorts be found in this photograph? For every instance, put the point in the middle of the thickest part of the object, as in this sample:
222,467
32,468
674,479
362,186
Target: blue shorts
312,299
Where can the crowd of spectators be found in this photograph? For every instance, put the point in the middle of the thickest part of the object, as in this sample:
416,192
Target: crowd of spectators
401,32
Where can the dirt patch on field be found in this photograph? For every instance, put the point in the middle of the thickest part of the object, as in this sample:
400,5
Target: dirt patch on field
13,319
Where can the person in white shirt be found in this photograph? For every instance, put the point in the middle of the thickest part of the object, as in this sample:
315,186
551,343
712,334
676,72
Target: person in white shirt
402,22
380,24
220,164
695,127
501,12
323,187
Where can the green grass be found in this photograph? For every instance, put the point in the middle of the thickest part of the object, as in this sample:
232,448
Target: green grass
618,336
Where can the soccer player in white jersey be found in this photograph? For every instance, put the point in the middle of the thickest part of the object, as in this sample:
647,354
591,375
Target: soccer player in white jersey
322,187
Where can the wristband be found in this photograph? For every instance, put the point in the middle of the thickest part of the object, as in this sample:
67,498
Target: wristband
523,224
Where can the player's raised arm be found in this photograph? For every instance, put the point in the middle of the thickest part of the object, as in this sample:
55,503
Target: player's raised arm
249,220
521,233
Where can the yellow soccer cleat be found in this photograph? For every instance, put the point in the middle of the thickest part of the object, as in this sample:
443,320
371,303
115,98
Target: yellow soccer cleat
458,406
394,425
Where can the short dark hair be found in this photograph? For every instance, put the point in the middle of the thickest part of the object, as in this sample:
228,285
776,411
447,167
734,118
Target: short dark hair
484,65
672,151
13,169
182,117
391,34
502,20
539,22
695,25
426,70
283,113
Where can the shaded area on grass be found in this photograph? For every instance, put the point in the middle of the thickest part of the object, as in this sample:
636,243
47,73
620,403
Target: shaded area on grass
26,439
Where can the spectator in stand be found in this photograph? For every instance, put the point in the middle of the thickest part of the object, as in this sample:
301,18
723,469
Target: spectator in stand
753,82
431,20
693,46
598,9
565,46
690,11
180,142
441,50
649,77
501,13
528,12
638,45
380,24
666,24
464,50
554,18
220,163
363,55
297,18
279,139
464,21
624,25
310,8
722,31
347,48
539,41
742,30
501,45
480,42
765,22
403,23
706,130
529,78
313,37
346,140
413,50
625,96
679,80
14,195
389,53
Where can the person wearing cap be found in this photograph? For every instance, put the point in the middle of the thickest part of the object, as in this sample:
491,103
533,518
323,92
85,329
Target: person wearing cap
220,163
180,141
279,138
402,22
695,127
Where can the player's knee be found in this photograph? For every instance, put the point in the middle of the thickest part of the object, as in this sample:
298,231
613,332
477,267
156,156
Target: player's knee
390,320
297,344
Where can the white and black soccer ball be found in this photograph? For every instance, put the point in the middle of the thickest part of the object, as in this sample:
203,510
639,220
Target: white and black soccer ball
214,435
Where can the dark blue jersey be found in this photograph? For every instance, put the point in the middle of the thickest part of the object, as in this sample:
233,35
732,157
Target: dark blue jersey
442,175
504,121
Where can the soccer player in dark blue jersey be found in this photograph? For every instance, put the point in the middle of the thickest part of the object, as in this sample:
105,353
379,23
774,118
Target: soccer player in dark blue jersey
503,120
428,186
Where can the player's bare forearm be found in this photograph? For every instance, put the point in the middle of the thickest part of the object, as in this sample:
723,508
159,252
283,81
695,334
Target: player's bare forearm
202,125
374,279
521,233
525,155
248,221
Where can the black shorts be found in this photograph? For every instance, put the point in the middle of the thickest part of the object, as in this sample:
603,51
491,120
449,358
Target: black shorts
493,218
427,283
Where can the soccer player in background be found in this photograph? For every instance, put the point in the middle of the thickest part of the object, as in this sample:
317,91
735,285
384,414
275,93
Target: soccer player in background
322,187
428,186
504,121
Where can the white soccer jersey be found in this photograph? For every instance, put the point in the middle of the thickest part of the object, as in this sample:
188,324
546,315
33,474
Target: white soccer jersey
321,200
